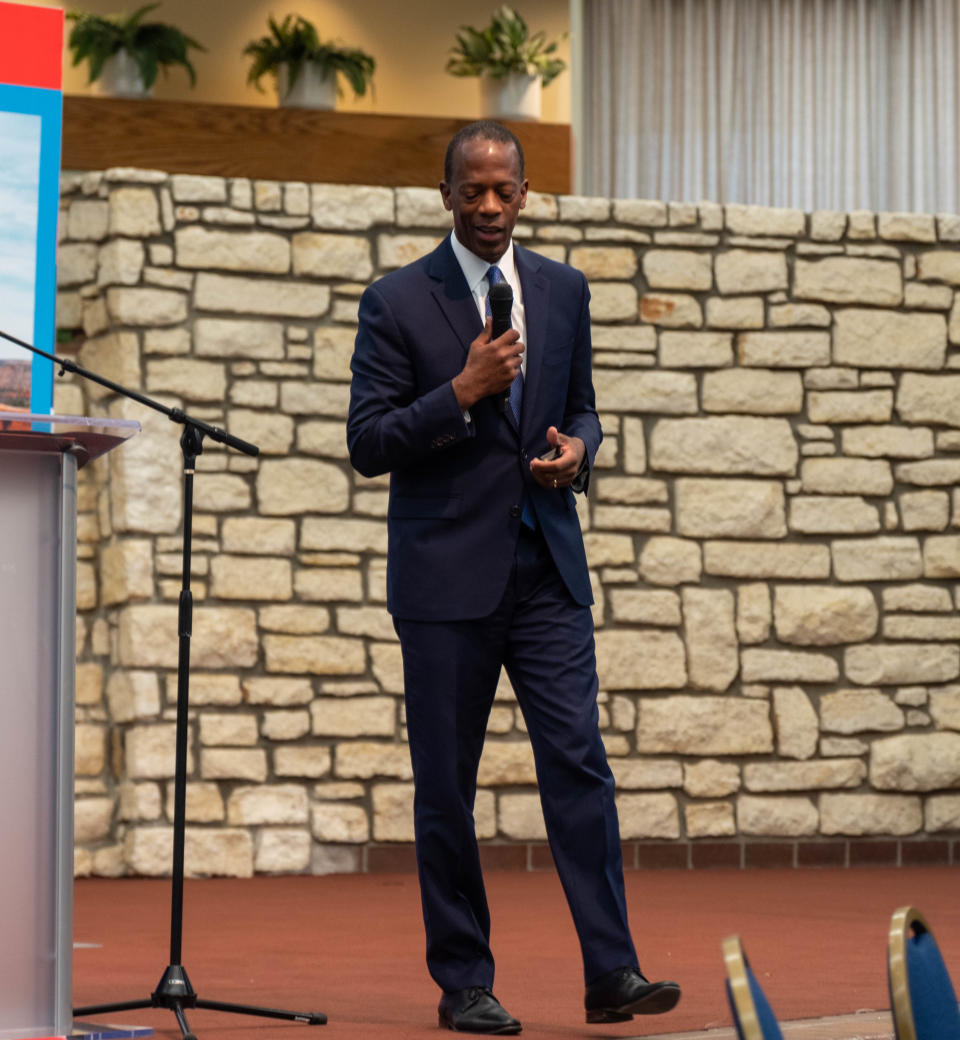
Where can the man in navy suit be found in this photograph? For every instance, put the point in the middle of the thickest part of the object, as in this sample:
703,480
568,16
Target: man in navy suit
486,441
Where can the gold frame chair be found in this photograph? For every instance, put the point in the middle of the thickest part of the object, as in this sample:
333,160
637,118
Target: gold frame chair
738,979
903,920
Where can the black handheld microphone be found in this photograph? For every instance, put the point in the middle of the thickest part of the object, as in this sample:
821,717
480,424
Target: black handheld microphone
501,304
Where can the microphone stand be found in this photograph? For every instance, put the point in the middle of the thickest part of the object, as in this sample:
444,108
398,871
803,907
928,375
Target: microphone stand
174,990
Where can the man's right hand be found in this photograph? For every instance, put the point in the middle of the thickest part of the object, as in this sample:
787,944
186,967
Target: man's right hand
492,365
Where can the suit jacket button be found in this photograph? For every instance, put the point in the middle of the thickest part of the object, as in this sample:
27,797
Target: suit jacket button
514,511
523,455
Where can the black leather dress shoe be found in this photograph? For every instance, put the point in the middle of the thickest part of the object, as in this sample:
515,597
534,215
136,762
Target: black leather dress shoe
476,1010
624,992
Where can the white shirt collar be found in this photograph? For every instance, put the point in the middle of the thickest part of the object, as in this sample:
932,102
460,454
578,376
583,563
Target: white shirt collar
475,268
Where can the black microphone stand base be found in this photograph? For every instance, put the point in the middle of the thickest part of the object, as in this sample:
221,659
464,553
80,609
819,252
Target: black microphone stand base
175,993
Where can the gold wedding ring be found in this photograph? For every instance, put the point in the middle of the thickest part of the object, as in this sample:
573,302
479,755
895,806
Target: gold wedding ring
554,481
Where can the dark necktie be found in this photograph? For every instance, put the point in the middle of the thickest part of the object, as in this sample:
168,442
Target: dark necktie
495,275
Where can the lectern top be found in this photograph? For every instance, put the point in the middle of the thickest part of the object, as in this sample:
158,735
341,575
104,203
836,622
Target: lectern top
85,437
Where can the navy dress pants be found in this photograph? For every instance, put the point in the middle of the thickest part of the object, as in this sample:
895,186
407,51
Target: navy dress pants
545,641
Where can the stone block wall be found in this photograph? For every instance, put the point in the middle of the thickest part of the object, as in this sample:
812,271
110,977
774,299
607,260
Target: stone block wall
773,530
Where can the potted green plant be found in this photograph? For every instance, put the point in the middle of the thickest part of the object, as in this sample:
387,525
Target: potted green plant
125,54
512,65
304,67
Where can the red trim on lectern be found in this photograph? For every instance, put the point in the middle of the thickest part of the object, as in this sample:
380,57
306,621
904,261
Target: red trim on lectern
31,46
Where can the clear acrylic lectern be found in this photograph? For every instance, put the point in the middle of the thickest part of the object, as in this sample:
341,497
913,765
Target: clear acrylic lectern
39,459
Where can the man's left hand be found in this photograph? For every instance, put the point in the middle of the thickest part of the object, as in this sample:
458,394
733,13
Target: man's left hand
561,471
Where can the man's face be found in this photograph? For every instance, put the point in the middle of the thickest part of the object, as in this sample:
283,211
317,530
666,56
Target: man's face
485,195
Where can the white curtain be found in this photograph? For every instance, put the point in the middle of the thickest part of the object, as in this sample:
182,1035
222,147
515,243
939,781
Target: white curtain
813,104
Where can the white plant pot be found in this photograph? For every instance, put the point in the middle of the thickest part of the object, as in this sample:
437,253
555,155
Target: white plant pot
515,96
311,90
121,77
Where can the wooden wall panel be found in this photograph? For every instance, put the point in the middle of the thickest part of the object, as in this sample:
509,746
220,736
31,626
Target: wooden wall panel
286,144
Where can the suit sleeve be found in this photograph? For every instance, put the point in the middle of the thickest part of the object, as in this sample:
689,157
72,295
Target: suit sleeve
393,421
580,413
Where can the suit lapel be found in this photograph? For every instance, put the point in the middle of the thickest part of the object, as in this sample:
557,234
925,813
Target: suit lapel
536,301
453,295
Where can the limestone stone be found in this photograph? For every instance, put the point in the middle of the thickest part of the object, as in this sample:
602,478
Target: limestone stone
317,655
256,578
120,262
258,535
90,747
285,725
709,820
630,490
824,615
304,398
204,803
135,306
730,508
929,472
149,752
306,762
908,626
282,850
134,212
943,813
643,212
599,262
766,560
928,297
724,444
227,338
670,561
637,773
873,338
640,660
295,619
277,692
915,762
753,613
696,349
353,716
833,514
783,349
751,270
668,393
795,722
925,398
320,255
703,725
328,583
645,606
787,666
399,250
845,279
678,269
88,683
624,338
267,804
287,487
710,778
671,310
221,492
945,707
387,666
332,350
260,251
859,711
865,406
521,818
343,207
755,391
631,518
87,220
234,764
126,571
392,812
223,637
613,301
804,776
792,314
764,220
174,342
939,265
133,695
785,817
847,476
193,188
886,558
648,816
139,801
886,441
189,378
264,296
365,621
363,760
898,663
909,227
739,312
234,728
711,639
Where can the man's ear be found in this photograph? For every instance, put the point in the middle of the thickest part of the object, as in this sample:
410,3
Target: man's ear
445,195
523,193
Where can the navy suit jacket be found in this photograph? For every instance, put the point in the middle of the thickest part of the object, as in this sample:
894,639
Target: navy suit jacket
456,492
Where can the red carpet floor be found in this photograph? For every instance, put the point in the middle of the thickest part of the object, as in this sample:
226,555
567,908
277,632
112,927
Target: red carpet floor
352,947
